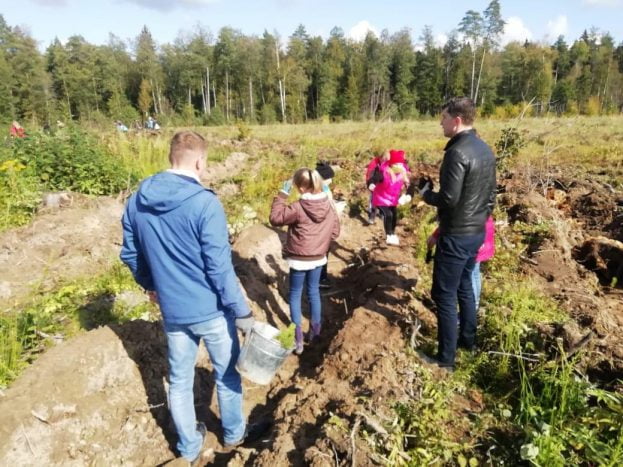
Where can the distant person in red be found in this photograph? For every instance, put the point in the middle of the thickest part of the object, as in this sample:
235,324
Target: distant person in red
17,131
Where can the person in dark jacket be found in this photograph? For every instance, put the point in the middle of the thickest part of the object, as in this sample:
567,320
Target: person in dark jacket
176,244
464,201
312,224
327,173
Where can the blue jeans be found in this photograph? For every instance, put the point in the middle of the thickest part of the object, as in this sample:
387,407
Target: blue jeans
476,284
452,281
297,280
220,338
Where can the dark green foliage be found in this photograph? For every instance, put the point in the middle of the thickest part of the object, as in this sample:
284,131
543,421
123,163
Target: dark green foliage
294,78
72,160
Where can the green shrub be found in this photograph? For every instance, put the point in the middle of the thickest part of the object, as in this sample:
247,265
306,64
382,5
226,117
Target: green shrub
20,192
508,145
72,160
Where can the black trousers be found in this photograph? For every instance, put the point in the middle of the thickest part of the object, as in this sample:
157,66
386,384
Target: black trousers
455,257
389,219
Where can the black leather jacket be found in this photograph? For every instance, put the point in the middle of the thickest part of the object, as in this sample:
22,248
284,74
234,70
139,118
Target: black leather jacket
467,185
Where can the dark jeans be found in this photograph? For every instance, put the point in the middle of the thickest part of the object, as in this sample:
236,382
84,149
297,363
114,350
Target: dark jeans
389,218
452,280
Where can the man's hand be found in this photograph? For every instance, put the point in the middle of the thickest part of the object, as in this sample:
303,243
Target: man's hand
425,184
286,187
245,324
153,297
431,242
371,186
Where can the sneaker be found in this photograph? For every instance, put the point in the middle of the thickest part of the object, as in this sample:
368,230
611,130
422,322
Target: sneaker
435,362
325,284
393,240
258,431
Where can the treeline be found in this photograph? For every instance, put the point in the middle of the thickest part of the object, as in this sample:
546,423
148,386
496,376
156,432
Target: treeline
202,79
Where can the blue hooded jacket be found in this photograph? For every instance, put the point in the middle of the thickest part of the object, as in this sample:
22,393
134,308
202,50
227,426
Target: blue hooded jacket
175,242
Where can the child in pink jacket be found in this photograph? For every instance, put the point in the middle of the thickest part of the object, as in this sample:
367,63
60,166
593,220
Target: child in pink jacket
485,253
386,193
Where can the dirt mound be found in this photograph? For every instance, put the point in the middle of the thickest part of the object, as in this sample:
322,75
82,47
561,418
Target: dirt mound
572,254
86,402
358,374
60,245
215,172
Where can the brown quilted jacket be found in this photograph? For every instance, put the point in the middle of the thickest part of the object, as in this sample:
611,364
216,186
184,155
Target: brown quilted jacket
312,224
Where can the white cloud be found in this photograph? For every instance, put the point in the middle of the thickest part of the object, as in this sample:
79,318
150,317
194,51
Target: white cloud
515,30
358,31
609,3
168,5
557,27
441,39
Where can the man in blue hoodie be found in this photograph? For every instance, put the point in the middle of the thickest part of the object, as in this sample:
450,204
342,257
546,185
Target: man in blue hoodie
176,244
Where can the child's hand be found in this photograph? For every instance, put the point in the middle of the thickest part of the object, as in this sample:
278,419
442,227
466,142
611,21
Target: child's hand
371,186
286,187
404,199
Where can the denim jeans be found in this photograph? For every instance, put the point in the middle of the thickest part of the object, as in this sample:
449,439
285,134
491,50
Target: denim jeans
452,281
297,280
476,284
220,338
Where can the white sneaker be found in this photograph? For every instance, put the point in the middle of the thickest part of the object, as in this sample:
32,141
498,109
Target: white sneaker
393,240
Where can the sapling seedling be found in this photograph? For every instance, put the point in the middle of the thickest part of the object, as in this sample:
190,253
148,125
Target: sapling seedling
286,337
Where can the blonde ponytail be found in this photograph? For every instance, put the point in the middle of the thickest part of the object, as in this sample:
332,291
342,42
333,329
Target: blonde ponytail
308,180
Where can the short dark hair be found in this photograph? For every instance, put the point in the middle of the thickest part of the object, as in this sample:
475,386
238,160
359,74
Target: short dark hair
461,107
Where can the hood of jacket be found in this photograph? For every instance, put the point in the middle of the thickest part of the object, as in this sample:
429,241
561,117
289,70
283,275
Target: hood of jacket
316,206
165,191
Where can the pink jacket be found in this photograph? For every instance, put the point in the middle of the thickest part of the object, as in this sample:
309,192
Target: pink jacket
487,250
388,191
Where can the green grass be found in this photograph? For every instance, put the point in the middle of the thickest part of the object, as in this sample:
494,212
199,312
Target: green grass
538,406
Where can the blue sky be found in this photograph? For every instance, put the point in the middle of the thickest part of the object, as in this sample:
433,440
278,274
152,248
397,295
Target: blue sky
538,20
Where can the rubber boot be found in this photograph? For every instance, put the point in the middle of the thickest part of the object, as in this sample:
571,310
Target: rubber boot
298,335
314,333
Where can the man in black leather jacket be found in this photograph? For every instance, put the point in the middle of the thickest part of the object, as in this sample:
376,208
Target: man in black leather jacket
465,200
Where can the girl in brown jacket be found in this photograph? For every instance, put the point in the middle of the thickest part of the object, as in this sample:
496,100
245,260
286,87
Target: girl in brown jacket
312,225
